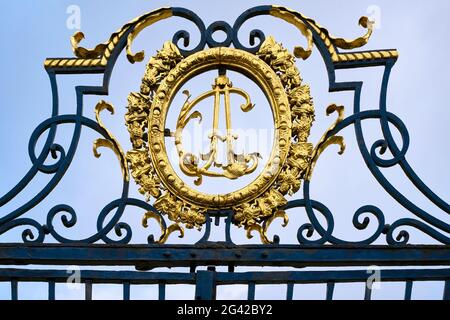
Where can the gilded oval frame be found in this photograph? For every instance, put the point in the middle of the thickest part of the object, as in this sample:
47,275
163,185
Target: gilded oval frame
254,206
269,82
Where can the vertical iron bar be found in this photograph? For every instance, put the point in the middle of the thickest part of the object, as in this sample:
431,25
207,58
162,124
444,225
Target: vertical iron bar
205,288
228,221
446,290
14,290
330,290
290,291
51,290
251,291
162,291
368,293
126,290
408,289
88,290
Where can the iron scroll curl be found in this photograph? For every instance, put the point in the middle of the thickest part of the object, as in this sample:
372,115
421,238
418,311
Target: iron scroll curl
102,58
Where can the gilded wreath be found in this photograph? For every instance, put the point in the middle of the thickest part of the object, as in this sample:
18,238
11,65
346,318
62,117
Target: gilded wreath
257,204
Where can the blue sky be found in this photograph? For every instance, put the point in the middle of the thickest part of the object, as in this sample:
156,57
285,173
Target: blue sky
418,94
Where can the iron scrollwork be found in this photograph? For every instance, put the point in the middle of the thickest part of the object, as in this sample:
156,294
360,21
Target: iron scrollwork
102,58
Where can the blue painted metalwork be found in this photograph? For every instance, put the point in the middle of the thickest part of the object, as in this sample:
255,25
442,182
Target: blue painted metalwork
222,254
337,252
207,281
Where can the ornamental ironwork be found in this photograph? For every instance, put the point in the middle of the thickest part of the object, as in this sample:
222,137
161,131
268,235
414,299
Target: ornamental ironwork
171,201
272,67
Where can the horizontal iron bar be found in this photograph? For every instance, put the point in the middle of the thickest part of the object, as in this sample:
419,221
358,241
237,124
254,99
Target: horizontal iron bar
151,256
224,278
98,276
336,276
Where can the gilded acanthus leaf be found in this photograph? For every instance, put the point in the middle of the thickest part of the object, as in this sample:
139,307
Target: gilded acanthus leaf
302,112
136,118
165,231
180,212
144,173
158,67
258,210
110,141
84,53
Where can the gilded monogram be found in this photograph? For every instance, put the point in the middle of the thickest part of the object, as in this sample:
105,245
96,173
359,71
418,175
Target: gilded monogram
237,165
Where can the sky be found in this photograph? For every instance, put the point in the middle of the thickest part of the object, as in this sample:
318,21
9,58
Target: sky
418,94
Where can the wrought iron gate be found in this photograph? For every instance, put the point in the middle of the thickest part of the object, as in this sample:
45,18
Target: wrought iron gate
317,246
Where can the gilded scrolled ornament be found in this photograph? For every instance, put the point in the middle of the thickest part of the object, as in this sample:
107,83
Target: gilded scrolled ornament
259,203
273,68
